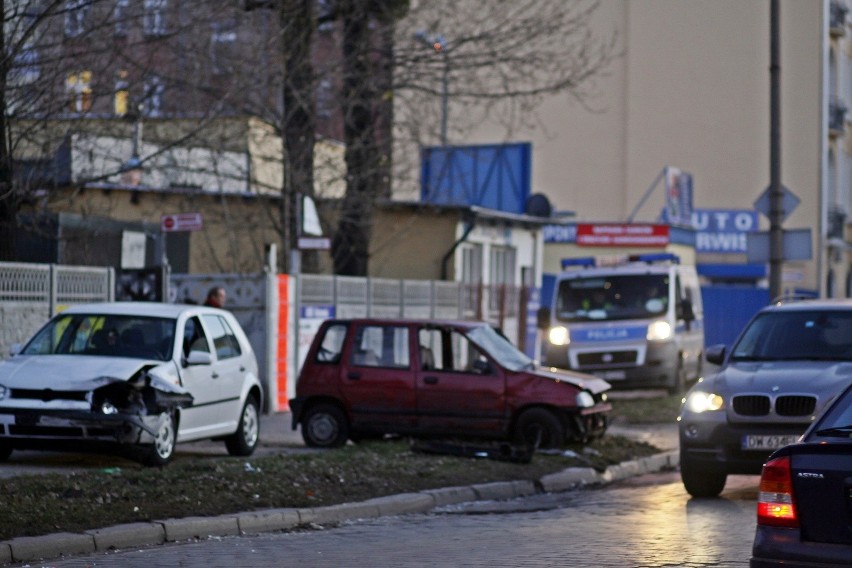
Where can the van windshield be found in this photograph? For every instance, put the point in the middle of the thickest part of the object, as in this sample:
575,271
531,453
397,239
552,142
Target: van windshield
615,297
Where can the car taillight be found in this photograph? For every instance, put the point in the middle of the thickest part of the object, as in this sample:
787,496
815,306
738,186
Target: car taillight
775,506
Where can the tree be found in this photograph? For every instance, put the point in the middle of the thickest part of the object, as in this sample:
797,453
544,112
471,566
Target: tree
486,60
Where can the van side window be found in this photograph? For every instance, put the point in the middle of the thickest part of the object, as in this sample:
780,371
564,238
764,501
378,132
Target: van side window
381,346
332,344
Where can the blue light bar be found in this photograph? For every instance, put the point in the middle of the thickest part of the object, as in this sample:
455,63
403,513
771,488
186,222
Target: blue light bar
582,262
655,257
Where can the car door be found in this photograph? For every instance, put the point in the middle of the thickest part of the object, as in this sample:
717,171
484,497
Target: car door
377,382
459,388
203,417
230,369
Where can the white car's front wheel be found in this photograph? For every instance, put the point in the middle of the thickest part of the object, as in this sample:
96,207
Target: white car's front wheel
161,451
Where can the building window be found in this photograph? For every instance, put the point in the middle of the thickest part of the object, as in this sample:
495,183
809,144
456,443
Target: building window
154,20
223,38
153,101
471,270
78,86
25,69
325,98
502,266
121,102
76,12
122,16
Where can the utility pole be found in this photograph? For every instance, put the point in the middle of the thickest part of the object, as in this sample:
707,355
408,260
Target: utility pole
776,214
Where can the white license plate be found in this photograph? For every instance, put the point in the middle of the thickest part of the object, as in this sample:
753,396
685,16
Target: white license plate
768,442
611,375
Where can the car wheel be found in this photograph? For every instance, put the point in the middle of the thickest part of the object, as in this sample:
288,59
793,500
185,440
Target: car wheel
325,426
244,440
5,450
161,451
701,481
539,428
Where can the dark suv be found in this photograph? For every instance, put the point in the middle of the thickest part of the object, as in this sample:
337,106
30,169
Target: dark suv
370,377
787,363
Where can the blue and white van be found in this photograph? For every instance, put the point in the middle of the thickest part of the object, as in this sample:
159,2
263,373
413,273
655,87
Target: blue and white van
635,321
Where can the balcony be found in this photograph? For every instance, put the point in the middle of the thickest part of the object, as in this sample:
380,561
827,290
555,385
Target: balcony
836,116
837,18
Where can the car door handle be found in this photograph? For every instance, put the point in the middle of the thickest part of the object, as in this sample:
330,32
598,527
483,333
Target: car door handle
215,375
430,380
353,376
242,368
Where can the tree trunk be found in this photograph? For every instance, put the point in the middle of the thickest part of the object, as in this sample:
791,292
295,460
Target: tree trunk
299,121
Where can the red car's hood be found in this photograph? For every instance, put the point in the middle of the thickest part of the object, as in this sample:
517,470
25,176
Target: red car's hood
579,380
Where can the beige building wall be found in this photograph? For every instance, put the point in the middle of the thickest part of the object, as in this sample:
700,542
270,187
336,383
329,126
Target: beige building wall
692,90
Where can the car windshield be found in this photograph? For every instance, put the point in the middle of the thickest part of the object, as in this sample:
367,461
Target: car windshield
105,335
500,348
797,335
615,297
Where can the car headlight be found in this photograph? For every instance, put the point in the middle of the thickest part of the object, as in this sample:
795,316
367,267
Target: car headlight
3,392
585,399
559,336
699,402
659,331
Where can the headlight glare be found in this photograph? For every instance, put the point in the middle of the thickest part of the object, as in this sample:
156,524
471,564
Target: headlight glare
699,402
108,408
559,336
659,331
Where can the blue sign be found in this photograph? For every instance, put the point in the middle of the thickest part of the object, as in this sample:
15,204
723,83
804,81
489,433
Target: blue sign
723,230
560,233
317,311
599,334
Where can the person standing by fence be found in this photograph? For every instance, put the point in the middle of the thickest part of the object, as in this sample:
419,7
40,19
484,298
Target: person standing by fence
216,297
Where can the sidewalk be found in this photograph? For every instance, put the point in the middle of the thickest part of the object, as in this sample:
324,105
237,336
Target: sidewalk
276,434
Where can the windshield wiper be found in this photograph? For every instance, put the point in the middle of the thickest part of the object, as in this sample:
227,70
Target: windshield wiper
836,431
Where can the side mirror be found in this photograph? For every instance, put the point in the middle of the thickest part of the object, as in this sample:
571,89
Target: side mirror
715,354
543,317
15,349
199,358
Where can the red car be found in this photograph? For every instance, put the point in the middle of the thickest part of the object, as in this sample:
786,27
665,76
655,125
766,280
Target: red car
369,377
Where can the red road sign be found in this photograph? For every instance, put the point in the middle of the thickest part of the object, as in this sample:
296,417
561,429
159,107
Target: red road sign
181,222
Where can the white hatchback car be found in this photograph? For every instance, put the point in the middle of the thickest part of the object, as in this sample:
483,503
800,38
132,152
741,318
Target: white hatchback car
134,375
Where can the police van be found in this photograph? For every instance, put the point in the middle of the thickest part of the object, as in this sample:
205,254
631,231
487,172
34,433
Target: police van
635,321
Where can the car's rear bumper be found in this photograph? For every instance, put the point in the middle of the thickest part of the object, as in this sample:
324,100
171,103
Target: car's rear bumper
776,546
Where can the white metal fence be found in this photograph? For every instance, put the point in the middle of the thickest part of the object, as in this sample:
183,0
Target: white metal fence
55,284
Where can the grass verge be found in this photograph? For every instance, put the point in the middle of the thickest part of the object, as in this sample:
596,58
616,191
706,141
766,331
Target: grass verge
43,504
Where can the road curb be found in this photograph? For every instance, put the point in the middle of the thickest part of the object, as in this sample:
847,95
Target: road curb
58,545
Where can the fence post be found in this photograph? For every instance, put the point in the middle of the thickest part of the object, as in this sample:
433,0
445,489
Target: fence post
53,290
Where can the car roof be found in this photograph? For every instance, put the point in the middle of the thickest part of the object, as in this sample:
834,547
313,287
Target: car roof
152,309
804,305
466,324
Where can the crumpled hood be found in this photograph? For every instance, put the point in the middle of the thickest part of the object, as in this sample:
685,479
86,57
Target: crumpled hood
788,376
66,372
579,380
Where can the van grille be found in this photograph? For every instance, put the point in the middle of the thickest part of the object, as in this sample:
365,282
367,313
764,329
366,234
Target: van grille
606,358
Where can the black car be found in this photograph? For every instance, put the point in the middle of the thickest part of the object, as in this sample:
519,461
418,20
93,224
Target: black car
804,509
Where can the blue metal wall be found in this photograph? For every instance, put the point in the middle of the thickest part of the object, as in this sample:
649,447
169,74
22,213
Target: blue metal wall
727,309
496,176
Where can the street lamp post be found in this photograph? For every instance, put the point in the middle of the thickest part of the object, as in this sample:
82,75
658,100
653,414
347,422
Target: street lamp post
439,45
